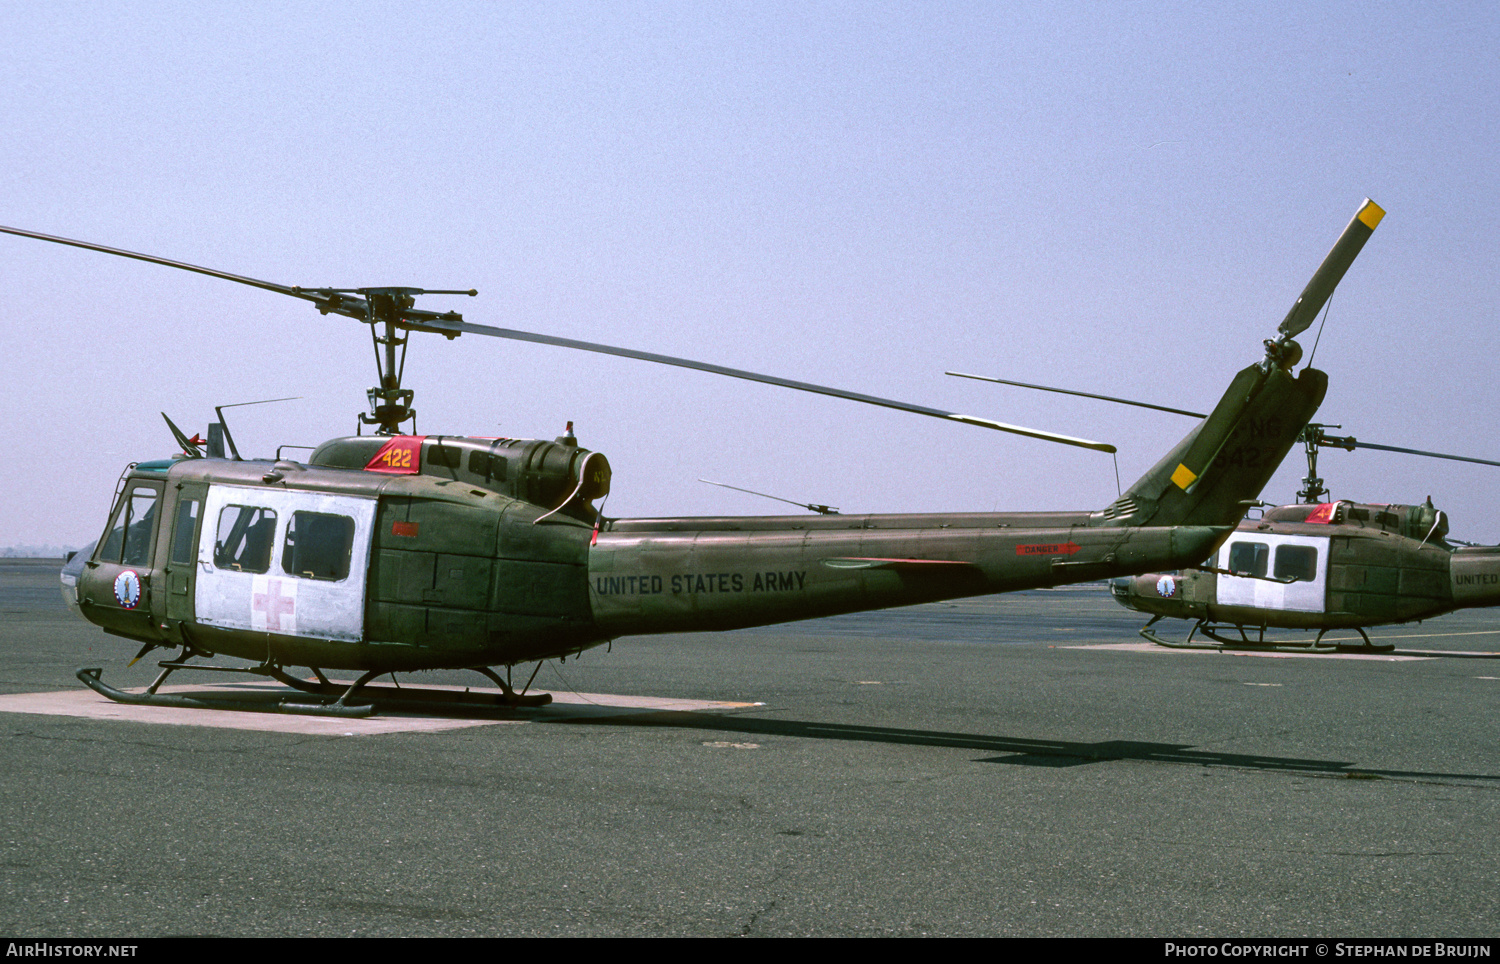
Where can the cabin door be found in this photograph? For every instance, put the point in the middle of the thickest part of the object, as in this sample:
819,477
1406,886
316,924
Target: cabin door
183,553
1261,561
284,562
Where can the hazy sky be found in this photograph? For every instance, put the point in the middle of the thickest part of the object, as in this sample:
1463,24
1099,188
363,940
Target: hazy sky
1123,198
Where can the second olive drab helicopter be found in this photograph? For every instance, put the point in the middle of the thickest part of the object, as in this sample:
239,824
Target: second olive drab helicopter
401,552
1317,565
1321,565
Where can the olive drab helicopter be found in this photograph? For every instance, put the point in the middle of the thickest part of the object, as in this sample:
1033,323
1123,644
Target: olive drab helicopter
394,552
1316,565
1321,565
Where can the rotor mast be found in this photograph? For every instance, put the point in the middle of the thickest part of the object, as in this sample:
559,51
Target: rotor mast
390,404
1312,437
390,314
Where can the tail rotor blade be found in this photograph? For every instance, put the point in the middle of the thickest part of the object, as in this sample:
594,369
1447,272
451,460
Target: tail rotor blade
1331,271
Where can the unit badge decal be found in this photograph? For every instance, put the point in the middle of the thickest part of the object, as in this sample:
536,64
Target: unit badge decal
128,589
1166,587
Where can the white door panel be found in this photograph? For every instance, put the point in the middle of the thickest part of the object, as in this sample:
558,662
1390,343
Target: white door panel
1265,554
250,585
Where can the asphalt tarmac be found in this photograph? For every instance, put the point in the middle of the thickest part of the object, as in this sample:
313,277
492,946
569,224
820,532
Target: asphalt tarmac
976,768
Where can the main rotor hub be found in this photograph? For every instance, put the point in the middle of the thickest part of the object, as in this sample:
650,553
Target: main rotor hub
386,312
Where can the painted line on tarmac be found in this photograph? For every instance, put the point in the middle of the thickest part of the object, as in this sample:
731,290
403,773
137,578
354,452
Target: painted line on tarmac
1153,648
85,704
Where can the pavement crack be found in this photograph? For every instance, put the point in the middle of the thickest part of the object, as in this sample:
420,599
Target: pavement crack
754,917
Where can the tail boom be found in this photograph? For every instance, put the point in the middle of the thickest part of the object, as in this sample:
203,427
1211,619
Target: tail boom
686,575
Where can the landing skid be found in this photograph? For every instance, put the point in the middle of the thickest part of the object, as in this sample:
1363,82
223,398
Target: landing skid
149,697
337,705
1259,643
507,699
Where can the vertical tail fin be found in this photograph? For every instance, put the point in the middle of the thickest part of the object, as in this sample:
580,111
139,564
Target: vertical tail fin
1225,462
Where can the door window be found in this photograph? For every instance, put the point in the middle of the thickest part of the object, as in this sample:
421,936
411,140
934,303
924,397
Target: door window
318,545
1249,558
184,546
246,536
1297,562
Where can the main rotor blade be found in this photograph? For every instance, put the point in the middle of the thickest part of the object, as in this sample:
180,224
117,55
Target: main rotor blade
1331,271
1069,391
1349,444
327,300
211,272
451,323
512,334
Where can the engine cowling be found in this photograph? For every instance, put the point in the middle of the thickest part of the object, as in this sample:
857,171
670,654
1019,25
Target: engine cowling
555,475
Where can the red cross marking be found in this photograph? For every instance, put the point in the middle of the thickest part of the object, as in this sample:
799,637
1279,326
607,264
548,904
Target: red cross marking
273,604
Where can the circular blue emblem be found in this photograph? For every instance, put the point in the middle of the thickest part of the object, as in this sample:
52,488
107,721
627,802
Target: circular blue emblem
128,589
1166,587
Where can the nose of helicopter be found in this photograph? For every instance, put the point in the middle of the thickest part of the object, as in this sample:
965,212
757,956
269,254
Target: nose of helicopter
71,570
